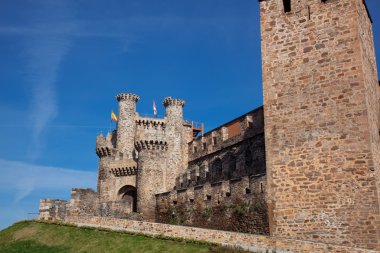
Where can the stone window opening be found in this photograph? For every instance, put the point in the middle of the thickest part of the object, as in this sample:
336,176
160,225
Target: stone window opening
214,141
247,191
195,150
208,197
174,202
204,146
228,194
323,1
287,6
248,158
261,187
191,200
216,170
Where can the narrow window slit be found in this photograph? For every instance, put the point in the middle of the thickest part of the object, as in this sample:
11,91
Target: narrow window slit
287,5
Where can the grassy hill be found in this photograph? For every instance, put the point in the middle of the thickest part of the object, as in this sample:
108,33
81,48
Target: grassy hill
32,236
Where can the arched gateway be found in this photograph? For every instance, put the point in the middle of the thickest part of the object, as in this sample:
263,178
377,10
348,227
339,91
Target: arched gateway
128,195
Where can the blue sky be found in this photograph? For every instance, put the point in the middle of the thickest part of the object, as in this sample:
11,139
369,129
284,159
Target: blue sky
63,62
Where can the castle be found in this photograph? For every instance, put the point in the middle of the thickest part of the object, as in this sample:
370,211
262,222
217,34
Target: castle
303,166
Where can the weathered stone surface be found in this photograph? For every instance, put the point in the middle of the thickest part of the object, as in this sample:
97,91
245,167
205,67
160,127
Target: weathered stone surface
255,243
321,110
53,209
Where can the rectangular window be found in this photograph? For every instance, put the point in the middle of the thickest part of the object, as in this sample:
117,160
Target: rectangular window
214,140
204,146
287,5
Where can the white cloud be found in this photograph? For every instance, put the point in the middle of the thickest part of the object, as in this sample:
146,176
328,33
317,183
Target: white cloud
20,179
44,54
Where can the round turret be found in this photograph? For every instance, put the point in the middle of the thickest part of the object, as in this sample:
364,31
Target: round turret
126,126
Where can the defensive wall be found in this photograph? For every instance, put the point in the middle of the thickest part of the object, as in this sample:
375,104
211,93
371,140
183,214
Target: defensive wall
53,209
224,186
255,243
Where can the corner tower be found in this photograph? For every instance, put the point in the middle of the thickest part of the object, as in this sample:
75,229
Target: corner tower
321,121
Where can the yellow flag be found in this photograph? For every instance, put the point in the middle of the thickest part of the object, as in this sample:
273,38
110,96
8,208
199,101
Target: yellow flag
113,116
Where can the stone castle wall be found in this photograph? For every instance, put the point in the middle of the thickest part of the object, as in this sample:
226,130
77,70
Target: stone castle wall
228,152
224,185
83,201
234,205
321,121
254,243
53,209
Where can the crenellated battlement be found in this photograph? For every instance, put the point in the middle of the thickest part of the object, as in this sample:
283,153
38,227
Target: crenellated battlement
103,151
230,134
104,146
124,171
127,96
151,145
151,123
168,101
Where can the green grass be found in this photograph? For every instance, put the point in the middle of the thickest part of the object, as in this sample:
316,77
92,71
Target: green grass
31,236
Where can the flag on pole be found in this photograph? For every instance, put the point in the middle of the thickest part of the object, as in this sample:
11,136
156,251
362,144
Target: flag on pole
154,108
113,116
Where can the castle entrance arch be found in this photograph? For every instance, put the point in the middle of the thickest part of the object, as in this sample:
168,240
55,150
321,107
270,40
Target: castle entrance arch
128,194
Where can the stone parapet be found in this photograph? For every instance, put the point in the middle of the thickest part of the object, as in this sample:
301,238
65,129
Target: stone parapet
235,205
124,171
127,96
151,144
151,123
232,133
255,243
53,209
169,101
103,151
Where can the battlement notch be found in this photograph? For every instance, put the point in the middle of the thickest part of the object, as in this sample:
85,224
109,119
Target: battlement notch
127,96
169,101
151,144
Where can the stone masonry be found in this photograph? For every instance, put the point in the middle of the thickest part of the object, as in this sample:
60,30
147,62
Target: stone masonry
224,184
304,168
321,111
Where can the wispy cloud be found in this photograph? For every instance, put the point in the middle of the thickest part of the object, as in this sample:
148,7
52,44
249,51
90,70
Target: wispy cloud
45,52
21,179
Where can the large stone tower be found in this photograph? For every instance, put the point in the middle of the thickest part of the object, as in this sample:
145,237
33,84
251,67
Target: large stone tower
117,161
126,126
321,121
178,135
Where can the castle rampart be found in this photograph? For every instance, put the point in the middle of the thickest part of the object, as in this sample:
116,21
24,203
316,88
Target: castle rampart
226,174
53,209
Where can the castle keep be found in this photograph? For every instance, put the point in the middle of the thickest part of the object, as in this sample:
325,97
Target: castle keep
304,166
